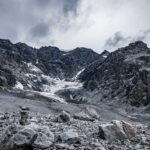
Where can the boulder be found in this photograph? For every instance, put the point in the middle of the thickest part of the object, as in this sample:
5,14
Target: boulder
24,117
70,136
3,81
92,112
83,116
128,129
22,137
45,138
116,130
64,116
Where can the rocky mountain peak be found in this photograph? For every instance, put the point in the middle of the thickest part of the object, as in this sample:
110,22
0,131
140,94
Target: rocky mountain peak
139,44
105,53
133,48
6,44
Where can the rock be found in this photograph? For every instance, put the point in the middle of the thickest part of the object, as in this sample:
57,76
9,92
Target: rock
116,130
128,129
8,132
98,145
3,81
83,116
24,117
45,138
125,72
61,146
70,136
23,108
64,116
92,112
26,136
75,135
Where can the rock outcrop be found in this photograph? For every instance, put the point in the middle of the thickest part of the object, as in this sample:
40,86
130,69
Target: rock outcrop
124,74
117,130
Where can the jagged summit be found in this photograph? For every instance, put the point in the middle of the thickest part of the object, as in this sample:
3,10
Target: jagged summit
123,74
105,53
140,44
134,48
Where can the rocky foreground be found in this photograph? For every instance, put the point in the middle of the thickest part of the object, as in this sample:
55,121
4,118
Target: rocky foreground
82,131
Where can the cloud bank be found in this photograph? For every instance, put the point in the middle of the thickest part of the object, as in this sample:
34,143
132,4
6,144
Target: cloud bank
97,24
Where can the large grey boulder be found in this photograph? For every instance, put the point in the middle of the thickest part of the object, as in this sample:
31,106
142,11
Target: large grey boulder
116,130
92,112
70,136
83,116
45,138
35,136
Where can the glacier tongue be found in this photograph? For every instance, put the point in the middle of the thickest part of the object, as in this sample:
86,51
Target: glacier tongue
50,91
35,81
51,88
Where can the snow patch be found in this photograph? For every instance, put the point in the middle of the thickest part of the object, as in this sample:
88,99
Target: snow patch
33,68
57,85
77,75
19,85
104,56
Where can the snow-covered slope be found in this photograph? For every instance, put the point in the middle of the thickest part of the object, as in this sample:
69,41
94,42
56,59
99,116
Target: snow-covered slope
48,86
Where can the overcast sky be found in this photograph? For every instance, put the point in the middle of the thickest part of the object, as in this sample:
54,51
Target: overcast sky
96,24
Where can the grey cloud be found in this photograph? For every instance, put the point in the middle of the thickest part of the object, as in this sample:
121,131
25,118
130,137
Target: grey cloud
40,30
71,23
142,36
70,5
64,6
116,40
33,20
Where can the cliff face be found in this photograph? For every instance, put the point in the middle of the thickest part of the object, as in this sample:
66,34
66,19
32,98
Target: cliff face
19,61
125,73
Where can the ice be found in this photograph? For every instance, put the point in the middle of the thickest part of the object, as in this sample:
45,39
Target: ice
33,68
104,56
19,85
51,88
57,85
77,75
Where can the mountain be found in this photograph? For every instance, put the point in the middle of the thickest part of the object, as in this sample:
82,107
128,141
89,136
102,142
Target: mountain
76,75
65,64
46,69
123,75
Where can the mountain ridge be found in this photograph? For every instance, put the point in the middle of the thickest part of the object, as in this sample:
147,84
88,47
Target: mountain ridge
122,74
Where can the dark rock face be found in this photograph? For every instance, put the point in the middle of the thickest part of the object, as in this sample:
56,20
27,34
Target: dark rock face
51,60
7,79
64,64
78,59
92,67
124,73
18,60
